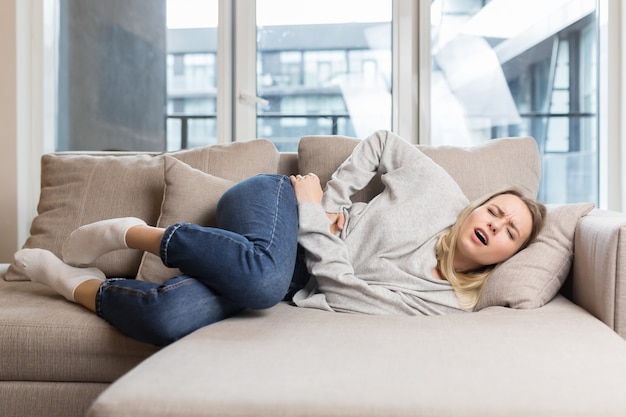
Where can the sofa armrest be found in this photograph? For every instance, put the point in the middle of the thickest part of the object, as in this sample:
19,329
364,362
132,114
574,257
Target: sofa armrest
599,267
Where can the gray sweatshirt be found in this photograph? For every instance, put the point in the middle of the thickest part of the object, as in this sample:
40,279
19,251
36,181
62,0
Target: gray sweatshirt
382,262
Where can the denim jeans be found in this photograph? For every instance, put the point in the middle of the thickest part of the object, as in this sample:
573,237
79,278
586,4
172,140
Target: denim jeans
247,261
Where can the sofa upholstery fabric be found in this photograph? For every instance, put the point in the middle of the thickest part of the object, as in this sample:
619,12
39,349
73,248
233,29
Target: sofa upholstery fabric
45,338
599,268
497,362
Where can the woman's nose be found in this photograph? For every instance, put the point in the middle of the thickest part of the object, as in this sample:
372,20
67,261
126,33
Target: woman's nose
494,226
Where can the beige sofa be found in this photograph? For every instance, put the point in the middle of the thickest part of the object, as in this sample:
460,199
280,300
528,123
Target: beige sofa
534,347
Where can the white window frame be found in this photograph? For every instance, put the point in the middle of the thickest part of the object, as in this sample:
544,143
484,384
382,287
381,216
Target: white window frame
612,106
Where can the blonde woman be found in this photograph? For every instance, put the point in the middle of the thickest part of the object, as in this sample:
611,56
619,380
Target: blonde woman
419,247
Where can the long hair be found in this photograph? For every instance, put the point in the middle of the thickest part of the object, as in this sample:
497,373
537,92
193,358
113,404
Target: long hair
468,285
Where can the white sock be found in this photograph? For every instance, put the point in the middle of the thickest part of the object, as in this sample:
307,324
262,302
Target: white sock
91,241
43,266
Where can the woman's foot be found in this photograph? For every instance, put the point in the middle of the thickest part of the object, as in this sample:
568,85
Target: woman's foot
91,241
43,266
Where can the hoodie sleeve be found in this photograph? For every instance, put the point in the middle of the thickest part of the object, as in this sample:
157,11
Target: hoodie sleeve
381,152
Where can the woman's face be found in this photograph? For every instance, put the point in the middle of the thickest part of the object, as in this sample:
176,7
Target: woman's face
492,232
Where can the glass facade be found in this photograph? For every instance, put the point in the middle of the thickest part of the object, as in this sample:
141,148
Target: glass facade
521,68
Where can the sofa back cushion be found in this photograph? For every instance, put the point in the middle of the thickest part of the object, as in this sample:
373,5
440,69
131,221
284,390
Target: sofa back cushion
80,188
494,165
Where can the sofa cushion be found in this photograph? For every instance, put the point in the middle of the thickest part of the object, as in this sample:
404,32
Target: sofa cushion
82,188
233,161
46,338
190,196
77,189
533,276
491,166
288,361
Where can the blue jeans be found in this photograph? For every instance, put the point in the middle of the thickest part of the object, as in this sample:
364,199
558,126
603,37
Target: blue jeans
246,262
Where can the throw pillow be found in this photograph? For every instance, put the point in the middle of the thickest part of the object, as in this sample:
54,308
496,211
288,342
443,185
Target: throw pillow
533,276
190,196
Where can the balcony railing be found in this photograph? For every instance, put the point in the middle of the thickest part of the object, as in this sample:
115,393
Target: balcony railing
333,117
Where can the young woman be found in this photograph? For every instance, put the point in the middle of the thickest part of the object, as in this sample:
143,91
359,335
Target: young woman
419,247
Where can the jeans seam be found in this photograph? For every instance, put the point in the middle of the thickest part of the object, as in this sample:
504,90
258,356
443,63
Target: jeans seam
166,241
162,289
276,205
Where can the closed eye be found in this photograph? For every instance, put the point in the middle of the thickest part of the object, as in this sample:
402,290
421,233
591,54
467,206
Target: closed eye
497,212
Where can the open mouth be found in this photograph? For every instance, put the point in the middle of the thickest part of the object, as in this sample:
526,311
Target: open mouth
481,236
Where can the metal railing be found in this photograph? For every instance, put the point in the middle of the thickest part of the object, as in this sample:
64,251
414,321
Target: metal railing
185,118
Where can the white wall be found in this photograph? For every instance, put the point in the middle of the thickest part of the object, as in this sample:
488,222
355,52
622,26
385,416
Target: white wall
8,130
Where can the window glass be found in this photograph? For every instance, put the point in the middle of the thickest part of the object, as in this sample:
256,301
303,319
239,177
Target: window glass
324,67
111,75
191,73
520,68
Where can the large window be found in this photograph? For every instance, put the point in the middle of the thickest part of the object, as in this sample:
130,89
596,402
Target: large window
316,72
521,68
321,72
196,72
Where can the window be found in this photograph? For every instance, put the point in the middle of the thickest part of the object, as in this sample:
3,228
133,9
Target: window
192,69
322,72
111,75
521,68
494,68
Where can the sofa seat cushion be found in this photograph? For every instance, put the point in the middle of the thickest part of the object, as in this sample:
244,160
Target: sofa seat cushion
553,361
46,338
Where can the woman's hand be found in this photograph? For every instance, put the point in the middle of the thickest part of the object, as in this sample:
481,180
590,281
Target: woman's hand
337,221
307,188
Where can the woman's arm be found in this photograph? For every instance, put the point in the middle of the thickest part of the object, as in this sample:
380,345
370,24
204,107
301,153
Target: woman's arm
381,152
308,190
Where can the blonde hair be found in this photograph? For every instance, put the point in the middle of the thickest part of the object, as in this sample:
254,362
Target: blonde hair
468,285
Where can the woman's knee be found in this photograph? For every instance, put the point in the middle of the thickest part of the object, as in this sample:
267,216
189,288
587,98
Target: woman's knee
250,188
267,291
167,325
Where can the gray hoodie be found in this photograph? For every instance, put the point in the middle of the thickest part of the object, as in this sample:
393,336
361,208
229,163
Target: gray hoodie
382,262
